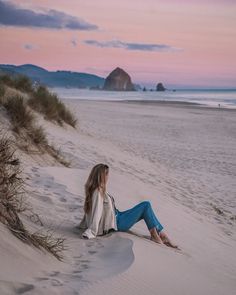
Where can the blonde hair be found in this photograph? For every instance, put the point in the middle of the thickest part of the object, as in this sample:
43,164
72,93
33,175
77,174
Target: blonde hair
96,180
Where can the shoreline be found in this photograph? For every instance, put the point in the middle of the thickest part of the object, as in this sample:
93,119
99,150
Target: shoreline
183,104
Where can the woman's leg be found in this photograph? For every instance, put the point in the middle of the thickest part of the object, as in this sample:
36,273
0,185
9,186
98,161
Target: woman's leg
126,219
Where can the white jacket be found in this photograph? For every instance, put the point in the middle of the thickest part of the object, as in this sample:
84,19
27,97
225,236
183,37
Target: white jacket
101,217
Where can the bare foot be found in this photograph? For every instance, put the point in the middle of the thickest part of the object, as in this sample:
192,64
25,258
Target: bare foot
154,236
170,244
159,241
167,241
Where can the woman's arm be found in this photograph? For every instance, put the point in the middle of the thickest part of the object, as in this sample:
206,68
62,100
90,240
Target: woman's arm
95,215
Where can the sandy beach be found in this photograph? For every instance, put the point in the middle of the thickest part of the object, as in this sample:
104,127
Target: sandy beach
182,158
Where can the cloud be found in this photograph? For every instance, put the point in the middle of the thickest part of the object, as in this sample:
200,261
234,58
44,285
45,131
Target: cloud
30,46
73,42
11,15
132,46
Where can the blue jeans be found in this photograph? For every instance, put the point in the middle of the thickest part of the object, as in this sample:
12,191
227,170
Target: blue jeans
126,219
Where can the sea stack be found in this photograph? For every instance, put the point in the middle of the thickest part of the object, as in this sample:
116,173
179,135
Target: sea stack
160,87
118,80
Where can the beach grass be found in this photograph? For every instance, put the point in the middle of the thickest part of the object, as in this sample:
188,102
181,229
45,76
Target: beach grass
40,99
2,90
21,116
20,82
51,107
13,202
24,123
26,129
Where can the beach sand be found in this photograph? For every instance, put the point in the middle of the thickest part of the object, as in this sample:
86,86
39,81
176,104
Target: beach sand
180,158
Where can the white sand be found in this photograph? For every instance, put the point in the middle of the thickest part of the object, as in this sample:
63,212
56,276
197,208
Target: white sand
119,263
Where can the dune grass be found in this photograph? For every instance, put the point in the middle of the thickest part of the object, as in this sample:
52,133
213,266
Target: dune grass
2,90
21,116
12,202
20,82
23,83
7,80
25,127
23,120
40,99
50,105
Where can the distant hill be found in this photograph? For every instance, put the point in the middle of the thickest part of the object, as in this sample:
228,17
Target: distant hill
66,79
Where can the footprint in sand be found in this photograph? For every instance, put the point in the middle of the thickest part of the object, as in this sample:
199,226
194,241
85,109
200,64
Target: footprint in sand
46,199
34,169
77,271
77,276
42,279
77,218
54,274
84,266
84,260
73,207
55,282
92,252
79,199
89,245
25,288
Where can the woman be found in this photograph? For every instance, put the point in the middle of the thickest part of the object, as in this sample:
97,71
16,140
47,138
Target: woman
101,214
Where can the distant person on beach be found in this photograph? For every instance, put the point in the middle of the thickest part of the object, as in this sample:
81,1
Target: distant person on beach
101,214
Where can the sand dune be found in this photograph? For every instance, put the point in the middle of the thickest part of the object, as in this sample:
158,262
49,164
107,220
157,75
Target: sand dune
120,263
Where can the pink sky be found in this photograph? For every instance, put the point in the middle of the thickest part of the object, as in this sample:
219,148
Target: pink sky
199,40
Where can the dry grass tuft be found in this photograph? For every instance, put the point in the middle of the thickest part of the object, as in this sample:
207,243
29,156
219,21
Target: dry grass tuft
2,90
21,116
26,130
20,82
11,192
7,80
12,202
24,123
23,83
50,105
56,154
41,100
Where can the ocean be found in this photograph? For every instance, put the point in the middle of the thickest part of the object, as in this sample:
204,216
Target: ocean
213,98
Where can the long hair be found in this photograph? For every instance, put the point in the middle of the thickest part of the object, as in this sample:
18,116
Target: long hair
96,180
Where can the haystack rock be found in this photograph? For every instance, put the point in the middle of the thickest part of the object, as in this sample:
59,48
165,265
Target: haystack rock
160,87
118,80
